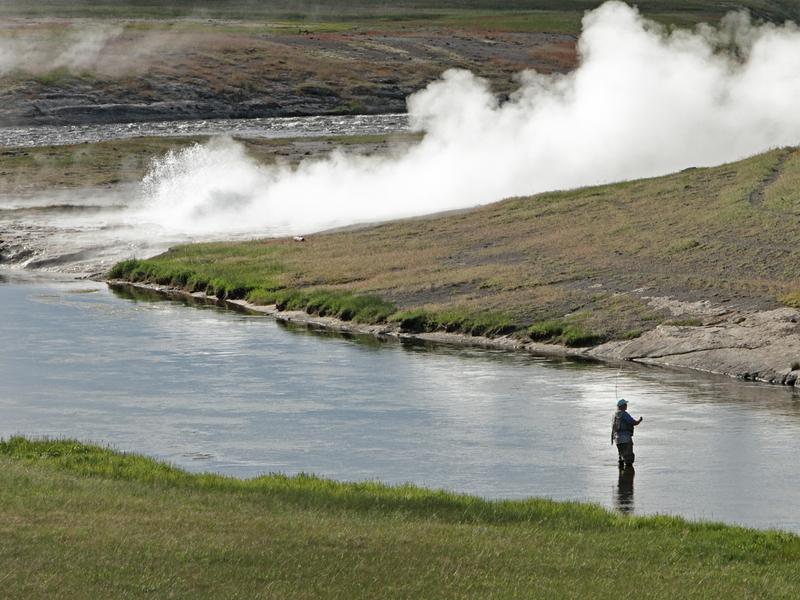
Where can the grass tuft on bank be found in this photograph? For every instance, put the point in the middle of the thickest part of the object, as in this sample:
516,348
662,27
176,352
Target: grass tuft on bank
456,320
232,283
565,331
83,521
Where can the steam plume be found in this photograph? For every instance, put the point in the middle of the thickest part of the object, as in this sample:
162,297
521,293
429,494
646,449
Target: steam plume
643,102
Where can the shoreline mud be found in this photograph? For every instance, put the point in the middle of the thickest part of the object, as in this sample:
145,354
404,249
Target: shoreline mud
759,346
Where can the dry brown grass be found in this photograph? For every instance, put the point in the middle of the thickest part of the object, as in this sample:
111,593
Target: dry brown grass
726,234
594,255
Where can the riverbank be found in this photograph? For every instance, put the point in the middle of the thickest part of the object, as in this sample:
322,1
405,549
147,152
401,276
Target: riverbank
83,521
751,348
692,270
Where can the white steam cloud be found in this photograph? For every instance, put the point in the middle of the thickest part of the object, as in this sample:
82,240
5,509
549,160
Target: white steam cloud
644,101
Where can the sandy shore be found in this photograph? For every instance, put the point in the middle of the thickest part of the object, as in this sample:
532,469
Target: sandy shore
762,346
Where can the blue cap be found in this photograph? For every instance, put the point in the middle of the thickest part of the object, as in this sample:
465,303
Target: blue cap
622,402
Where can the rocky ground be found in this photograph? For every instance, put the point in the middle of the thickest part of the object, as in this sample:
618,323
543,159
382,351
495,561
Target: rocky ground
751,345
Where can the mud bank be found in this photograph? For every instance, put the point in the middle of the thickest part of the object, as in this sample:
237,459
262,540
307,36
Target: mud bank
762,346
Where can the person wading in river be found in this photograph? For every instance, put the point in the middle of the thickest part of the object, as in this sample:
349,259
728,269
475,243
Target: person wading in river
622,434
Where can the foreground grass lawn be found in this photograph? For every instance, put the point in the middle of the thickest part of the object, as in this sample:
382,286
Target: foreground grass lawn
79,521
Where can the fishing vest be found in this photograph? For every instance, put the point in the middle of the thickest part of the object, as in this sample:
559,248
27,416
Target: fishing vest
618,425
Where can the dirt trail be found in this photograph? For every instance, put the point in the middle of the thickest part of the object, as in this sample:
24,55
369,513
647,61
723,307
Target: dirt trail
757,195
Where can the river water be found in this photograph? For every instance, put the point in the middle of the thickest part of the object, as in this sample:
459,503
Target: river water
239,394
285,127
216,390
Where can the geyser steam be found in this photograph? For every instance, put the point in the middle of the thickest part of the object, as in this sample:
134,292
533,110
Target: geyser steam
643,102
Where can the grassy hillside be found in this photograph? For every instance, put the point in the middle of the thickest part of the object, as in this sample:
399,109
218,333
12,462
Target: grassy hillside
578,266
80,521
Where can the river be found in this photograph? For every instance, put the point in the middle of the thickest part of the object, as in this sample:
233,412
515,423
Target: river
240,394
216,390
285,127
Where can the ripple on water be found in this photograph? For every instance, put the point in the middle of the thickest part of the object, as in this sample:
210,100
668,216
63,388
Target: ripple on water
210,390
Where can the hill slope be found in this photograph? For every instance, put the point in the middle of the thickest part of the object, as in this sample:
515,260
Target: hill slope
580,267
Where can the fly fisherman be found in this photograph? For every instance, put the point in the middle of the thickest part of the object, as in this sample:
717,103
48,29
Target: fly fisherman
622,434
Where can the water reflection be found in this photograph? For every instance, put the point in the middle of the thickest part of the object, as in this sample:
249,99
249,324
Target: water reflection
623,494
242,395
362,339
137,294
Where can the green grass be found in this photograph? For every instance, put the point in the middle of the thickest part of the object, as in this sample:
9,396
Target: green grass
80,521
228,276
325,303
569,332
546,330
685,322
455,320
